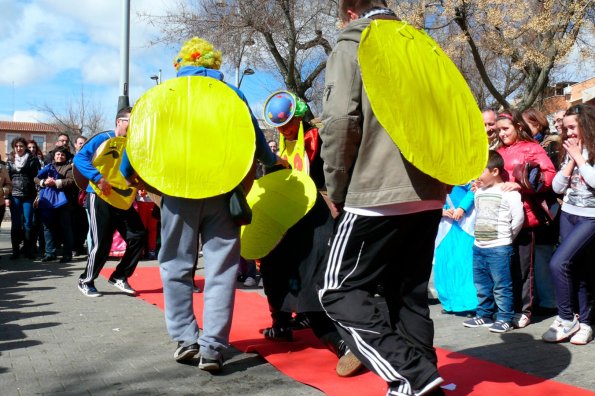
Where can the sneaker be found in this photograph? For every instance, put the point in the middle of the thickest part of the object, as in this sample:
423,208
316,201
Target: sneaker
212,365
561,330
299,322
348,365
276,333
250,282
47,258
583,336
88,290
478,322
521,320
123,285
500,326
185,353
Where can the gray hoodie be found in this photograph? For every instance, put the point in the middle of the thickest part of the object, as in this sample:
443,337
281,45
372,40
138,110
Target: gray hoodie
363,166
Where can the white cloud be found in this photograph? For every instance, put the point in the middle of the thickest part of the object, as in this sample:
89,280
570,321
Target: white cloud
30,116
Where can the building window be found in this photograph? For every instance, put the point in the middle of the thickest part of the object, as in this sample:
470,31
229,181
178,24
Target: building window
40,140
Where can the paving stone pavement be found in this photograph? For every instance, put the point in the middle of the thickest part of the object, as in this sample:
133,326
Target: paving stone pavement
55,341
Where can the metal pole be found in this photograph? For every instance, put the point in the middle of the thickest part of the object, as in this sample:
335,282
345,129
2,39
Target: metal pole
123,100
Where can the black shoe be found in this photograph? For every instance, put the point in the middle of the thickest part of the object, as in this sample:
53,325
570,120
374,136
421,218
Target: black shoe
185,353
66,259
123,285
299,322
47,258
212,365
277,333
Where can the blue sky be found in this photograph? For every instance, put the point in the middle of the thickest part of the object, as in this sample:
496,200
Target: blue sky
54,49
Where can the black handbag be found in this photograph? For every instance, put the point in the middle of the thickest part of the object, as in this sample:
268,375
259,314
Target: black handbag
240,211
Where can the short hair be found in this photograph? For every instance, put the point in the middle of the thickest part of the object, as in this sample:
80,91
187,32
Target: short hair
77,137
62,150
123,112
495,160
63,134
357,6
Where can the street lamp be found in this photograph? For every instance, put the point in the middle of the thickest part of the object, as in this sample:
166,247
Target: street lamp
246,43
157,78
247,71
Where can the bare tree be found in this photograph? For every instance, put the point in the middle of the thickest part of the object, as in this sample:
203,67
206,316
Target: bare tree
80,116
290,38
514,45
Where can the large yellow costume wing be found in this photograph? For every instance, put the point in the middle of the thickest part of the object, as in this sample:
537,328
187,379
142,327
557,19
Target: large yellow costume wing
107,159
191,137
422,100
278,201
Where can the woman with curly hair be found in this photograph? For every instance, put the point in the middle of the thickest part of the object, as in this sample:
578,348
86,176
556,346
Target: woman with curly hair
569,264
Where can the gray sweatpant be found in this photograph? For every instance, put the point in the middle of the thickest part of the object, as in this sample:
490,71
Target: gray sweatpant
182,221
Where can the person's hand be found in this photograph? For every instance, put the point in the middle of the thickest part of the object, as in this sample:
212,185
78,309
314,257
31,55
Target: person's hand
447,213
282,162
50,182
511,186
574,148
476,185
337,207
458,214
7,202
104,186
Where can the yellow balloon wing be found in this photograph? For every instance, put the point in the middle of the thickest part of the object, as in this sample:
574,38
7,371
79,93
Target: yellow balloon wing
107,159
278,201
423,102
191,137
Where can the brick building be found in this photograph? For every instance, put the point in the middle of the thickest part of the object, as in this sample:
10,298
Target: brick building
564,95
44,134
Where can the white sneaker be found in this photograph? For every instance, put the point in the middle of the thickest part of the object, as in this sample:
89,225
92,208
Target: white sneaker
521,320
561,330
250,282
583,336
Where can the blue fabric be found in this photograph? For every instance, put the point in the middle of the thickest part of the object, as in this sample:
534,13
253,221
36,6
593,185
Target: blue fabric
453,274
493,281
21,208
569,266
461,197
83,160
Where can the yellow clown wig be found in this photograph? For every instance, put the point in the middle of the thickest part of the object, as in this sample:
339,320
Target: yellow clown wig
198,52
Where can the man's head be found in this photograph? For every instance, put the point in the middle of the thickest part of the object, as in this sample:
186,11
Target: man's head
350,10
122,120
198,52
559,120
489,120
63,141
79,142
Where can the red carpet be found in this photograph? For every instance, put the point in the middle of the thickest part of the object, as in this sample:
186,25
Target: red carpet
307,361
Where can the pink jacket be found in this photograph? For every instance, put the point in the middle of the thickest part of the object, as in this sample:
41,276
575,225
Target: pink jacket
522,152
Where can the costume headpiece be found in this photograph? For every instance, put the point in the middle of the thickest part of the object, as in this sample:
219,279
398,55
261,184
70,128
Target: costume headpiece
281,107
198,52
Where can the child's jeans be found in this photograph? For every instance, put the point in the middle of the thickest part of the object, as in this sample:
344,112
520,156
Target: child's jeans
491,275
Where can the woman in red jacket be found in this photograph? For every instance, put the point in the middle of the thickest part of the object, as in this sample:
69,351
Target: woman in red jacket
518,148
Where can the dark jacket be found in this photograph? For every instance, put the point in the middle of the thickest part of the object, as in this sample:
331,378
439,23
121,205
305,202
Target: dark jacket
23,184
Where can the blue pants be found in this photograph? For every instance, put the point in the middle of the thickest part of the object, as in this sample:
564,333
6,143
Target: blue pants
21,208
493,281
182,222
569,266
